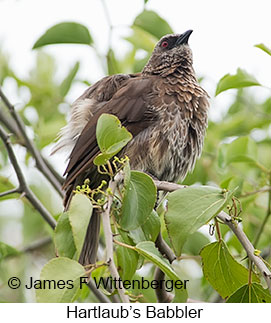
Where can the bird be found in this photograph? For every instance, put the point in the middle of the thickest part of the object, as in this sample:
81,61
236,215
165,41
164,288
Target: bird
163,107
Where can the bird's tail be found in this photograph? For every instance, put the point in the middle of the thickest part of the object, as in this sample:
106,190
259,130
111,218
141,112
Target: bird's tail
90,247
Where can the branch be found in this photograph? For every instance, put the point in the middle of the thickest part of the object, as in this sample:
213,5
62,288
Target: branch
23,187
10,124
14,190
248,246
100,296
167,186
109,239
261,190
20,131
37,244
237,230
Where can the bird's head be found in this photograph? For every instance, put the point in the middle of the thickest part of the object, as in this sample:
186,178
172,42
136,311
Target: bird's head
171,52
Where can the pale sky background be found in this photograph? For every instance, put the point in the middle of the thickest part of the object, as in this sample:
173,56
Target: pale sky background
224,36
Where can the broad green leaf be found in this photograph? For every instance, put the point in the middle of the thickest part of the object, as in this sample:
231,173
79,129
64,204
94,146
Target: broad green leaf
151,22
222,271
243,149
189,209
226,182
64,270
79,214
138,200
63,237
253,293
264,48
65,33
6,251
151,227
148,231
236,81
148,250
67,82
111,137
127,258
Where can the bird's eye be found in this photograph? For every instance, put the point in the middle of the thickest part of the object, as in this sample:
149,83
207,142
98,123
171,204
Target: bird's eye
164,44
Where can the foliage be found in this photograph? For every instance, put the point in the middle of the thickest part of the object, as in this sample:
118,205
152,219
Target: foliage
236,161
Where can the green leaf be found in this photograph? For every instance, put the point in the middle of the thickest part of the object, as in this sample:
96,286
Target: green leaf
6,251
243,149
127,258
79,214
65,270
151,22
226,182
264,48
189,209
63,237
67,82
151,227
239,80
111,137
65,33
138,200
148,250
149,230
222,271
253,293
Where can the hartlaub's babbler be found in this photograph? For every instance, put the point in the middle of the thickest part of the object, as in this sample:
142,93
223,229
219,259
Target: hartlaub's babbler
163,107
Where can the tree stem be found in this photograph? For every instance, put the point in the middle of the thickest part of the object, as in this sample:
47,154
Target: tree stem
109,240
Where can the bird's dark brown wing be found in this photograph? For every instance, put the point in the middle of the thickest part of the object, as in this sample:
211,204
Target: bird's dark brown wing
129,105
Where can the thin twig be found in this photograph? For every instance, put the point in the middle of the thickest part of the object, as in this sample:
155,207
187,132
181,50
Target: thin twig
167,186
248,246
23,187
261,190
10,124
14,190
218,230
237,230
163,247
12,127
109,239
30,146
37,244
100,296
162,295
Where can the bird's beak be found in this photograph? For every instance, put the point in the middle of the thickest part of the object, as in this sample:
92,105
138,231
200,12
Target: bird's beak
183,39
